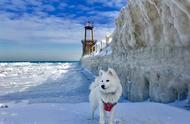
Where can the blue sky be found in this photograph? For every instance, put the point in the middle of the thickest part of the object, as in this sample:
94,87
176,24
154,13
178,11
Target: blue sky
41,30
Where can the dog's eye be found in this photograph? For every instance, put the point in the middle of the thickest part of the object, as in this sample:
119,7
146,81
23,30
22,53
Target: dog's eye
102,81
107,80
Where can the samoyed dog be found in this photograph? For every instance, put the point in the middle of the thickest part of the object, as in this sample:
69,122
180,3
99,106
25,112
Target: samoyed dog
105,93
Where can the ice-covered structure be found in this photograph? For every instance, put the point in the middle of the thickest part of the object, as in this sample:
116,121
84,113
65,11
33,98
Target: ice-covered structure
150,50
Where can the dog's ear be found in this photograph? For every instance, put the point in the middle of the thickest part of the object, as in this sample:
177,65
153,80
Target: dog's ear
101,72
111,72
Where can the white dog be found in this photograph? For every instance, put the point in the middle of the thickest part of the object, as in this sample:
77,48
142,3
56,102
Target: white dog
105,93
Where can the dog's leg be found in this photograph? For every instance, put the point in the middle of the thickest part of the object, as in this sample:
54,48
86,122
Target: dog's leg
102,113
93,102
92,114
93,110
111,120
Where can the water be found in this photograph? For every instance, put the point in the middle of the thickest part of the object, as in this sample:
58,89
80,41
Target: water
43,82
39,61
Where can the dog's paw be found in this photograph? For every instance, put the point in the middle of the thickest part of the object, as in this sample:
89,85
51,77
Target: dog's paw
3,106
101,122
116,121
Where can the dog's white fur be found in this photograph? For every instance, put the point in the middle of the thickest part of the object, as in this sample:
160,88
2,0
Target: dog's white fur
110,94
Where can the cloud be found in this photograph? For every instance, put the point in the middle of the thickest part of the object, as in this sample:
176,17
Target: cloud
34,2
109,3
42,22
48,8
33,29
111,14
62,5
40,27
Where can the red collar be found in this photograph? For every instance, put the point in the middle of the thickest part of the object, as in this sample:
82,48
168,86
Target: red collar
108,106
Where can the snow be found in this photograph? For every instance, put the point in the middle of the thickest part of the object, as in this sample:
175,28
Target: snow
57,93
181,104
126,113
43,82
105,51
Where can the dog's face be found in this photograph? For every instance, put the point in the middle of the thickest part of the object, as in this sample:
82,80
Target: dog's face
108,81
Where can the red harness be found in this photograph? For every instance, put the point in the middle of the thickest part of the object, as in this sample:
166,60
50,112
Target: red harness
108,106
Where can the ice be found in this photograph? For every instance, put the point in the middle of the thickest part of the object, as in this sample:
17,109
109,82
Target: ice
57,93
43,82
104,52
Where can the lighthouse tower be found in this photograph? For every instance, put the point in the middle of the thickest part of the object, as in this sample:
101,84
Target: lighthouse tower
88,42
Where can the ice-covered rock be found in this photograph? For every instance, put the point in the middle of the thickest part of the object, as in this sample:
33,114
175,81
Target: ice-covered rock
150,50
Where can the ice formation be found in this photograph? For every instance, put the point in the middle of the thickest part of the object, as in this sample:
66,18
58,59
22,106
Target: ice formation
151,50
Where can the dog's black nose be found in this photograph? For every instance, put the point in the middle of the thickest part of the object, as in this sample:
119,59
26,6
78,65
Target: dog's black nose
103,86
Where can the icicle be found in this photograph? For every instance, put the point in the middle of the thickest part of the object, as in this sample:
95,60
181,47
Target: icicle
143,11
154,4
182,7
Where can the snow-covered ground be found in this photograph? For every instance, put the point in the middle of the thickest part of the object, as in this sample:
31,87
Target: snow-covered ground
57,93
79,113
43,82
